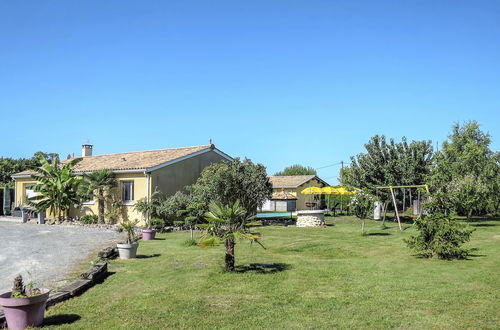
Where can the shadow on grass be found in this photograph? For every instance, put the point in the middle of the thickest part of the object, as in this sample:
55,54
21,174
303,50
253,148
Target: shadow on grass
484,225
379,234
263,268
143,256
159,239
60,319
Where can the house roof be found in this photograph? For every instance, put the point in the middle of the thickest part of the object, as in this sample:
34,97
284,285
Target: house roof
283,195
292,181
138,161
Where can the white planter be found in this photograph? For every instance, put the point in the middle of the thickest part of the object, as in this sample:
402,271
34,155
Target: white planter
310,218
127,251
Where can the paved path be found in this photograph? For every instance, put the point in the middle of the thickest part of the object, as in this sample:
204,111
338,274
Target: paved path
46,254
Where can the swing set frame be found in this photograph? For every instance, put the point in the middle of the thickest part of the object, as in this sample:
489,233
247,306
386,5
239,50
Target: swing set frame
391,189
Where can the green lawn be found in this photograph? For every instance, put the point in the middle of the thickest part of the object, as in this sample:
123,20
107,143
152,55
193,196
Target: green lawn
324,278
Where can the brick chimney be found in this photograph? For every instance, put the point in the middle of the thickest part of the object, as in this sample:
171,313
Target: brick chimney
87,150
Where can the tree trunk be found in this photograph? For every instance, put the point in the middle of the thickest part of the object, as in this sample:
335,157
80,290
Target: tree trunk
230,255
363,225
101,208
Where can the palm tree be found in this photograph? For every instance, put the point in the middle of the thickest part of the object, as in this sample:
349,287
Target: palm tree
57,186
226,224
98,184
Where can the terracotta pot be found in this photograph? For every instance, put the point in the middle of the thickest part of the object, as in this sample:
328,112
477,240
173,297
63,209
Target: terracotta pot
21,313
148,234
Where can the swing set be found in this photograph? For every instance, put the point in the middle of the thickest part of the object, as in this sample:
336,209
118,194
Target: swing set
393,196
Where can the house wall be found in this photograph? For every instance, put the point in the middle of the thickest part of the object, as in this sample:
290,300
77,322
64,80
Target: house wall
303,198
174,177
20,186
140,191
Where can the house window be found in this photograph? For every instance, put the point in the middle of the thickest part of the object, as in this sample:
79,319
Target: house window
127,191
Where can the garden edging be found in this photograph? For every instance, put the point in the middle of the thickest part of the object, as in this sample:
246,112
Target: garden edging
95,274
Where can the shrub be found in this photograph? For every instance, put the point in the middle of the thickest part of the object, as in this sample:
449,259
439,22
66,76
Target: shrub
89,219
441,237
158,224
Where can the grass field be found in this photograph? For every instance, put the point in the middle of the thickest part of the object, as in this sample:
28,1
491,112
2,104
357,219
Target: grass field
311,278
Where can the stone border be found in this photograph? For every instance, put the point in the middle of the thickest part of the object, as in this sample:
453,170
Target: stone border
95,274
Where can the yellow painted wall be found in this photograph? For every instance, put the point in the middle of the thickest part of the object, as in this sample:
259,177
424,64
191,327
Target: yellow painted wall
20,187
140,191
174,177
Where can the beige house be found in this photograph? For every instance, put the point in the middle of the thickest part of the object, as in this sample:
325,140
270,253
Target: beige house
287,194
139,174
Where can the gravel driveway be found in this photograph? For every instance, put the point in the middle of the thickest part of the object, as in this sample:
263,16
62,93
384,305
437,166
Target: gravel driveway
46,254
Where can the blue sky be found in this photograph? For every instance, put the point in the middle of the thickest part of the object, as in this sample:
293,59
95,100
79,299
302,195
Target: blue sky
280,82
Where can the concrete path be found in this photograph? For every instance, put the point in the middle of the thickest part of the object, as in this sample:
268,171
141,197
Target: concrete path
46,254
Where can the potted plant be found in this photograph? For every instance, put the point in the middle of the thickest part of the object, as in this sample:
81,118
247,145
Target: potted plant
24,306
146,207
128,249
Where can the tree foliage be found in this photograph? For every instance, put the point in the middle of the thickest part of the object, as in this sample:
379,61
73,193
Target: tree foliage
297,170
361,205
228,181
9,166
57,187
439,236
389,163
465,178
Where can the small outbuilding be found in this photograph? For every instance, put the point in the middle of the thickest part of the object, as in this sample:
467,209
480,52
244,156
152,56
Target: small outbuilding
287,194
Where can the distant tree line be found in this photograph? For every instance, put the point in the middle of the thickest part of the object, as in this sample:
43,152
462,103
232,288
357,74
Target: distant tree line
9,166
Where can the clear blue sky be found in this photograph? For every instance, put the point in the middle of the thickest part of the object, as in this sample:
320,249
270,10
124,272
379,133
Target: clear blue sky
280,82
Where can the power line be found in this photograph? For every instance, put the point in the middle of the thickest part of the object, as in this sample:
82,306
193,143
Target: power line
339,163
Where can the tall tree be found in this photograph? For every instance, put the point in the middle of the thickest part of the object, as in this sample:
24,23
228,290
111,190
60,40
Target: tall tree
229,181
98,184
57,186
297,170
466,172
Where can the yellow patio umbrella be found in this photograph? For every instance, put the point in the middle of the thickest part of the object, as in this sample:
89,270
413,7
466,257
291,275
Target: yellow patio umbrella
312,191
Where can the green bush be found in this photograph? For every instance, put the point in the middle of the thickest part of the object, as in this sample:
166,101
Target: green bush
89,219
439,236
158,224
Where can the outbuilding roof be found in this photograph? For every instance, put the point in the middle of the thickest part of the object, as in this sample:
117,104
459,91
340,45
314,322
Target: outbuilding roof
135,161
292,181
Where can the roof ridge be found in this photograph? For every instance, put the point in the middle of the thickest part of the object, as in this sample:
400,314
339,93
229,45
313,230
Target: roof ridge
135,152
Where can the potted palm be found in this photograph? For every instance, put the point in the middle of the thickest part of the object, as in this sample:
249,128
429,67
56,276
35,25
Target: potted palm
128,249
24,306
146,207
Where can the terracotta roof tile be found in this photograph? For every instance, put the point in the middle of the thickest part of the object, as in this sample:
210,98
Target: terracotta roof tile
130,160
292,181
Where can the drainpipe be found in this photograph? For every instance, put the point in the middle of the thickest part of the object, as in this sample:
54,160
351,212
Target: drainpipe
148,188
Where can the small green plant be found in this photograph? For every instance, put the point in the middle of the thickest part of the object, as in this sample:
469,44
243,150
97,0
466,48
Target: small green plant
19,290
89,219
439,236
361,204
190,242
129,228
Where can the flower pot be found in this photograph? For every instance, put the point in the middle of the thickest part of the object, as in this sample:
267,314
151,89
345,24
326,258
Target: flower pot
41,218
21,313
148,234
127,251
24,215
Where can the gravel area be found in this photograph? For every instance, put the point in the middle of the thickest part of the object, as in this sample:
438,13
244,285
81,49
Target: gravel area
46,254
